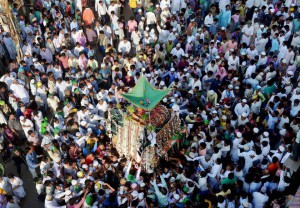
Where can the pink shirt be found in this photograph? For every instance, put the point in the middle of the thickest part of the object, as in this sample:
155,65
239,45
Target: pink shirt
64,61
235,18
231,45
131,25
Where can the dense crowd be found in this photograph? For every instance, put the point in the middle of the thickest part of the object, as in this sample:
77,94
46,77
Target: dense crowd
232,67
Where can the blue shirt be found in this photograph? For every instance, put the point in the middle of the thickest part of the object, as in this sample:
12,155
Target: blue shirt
31,160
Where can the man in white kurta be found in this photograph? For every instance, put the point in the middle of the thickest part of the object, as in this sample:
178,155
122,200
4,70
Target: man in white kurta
10,46
248,31
241,108
20,91
26,125
17,186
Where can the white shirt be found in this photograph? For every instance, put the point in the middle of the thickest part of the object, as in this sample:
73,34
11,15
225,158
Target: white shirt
209,19
259,199
215,171
239,109
177,52
124,47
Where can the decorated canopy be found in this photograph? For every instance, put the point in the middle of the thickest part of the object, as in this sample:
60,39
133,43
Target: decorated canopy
144,95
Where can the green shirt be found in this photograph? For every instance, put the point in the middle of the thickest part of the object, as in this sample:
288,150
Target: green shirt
228,181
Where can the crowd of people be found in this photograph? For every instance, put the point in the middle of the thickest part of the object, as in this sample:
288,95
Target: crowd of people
232,67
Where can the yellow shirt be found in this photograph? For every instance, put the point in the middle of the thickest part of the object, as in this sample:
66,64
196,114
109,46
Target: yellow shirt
132,4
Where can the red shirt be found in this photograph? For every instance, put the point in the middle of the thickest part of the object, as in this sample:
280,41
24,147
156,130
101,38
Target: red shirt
89,159
273,168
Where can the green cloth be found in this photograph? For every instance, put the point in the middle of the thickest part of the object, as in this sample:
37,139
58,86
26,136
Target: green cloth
270,89
55,130
89,200
131,178
66,102
185,189
228,181
44,126
143,92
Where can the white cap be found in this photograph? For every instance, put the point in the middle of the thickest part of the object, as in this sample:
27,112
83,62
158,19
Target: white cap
139,10
222,28
172,179
245,203
263,53
178,45
244,114
284,61
239,134
217,57
172,69
214,111
49,197
244,101
34,59
281,148
95,163
290,73
142,184
22,117
172,100
210,92
224,117
83,123
141,196
165,100
261,26
246,148
244,63
176,196
102,65
255,130
78,134
68,192
230,86
266,134
84,166
148,75
134,194
264,189
74,182
162,83
32,81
